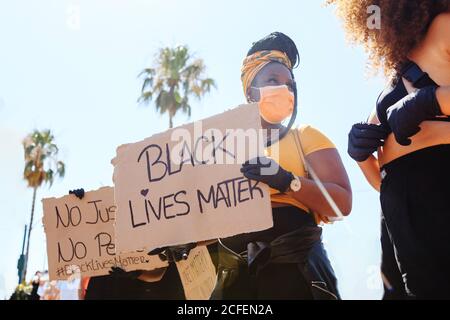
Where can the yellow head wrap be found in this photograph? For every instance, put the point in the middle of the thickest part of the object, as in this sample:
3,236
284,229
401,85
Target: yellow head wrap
255,62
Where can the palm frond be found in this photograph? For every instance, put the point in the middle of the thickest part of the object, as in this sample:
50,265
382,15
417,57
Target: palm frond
175,76
60,169
40,153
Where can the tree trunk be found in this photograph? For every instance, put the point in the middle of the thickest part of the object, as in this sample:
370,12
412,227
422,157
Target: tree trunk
29,233
172,106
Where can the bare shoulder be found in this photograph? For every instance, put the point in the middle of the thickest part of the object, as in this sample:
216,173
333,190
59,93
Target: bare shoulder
441,20
439,30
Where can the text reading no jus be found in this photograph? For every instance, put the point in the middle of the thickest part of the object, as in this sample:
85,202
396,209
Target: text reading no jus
72,216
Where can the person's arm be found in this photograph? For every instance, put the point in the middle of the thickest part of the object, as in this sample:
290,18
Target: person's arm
371,170
328,166
406,115
439,33
153,275
443,97
371,167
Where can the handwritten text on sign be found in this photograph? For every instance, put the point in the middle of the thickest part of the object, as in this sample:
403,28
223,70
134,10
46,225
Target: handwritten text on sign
80,237
198,274
185,184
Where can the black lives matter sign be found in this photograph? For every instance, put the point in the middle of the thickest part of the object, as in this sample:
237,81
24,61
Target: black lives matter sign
185,185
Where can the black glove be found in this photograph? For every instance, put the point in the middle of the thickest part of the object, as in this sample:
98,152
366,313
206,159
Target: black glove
118,272
405,116
174,253
79,193
364,139
267,171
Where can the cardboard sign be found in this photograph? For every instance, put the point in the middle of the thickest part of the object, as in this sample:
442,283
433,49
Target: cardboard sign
80,237
198,274
185,185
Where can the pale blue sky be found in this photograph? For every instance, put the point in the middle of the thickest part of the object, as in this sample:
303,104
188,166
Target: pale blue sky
80,80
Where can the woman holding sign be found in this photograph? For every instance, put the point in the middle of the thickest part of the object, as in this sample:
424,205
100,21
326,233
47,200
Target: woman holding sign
308,182
410,128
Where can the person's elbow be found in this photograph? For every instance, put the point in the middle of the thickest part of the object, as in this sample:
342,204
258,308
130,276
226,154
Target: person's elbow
343,204
346,204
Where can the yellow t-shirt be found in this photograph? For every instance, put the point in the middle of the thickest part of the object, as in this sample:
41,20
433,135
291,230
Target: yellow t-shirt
286,153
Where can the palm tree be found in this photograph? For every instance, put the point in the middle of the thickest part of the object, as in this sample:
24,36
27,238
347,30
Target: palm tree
41,165
175,77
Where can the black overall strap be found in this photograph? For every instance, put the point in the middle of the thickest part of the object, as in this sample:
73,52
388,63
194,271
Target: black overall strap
412,72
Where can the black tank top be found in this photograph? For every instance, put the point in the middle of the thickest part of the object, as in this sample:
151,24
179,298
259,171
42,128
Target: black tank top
397,90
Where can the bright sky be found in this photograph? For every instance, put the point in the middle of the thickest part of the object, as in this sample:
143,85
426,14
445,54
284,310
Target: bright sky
72,66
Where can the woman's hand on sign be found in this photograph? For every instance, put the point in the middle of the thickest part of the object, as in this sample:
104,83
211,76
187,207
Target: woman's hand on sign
79,193
267,171
174,253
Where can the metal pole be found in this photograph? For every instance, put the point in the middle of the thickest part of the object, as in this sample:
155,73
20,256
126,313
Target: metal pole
21,261
24,238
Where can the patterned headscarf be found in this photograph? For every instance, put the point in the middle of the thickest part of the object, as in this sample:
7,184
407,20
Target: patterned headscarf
255,62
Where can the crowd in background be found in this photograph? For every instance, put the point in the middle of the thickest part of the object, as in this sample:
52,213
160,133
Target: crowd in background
41,288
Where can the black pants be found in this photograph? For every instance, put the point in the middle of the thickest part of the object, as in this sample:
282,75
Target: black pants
311,279
394,288
414,196
302,275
